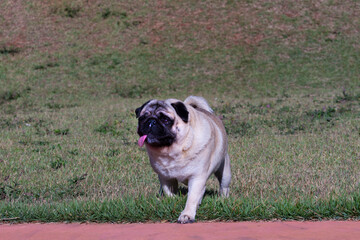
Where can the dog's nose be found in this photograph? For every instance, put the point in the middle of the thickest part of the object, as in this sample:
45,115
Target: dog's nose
152,122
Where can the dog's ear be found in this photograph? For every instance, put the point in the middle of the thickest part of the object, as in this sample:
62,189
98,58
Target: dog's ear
138,110
181,110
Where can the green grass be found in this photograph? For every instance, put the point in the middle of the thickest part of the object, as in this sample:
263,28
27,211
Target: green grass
284,78
153,209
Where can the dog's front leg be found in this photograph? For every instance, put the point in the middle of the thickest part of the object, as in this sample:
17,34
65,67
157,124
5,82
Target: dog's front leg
196,191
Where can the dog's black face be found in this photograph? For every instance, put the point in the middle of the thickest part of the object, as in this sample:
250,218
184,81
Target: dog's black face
155,124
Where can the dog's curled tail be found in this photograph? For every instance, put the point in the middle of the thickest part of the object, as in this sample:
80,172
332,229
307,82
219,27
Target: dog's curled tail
198,102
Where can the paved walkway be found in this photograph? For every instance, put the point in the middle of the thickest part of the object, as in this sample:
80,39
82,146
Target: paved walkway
160,231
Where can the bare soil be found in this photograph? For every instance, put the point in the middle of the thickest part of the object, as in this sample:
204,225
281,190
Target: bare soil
216,230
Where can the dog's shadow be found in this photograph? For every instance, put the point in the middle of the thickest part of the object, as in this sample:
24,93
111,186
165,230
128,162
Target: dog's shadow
182,191
208,192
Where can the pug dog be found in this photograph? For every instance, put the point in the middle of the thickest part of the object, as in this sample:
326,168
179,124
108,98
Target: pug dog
186,143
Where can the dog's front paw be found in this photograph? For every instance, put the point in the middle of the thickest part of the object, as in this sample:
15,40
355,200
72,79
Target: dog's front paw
186,218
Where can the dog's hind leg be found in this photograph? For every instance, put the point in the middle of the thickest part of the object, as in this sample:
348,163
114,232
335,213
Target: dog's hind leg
168,186
223,174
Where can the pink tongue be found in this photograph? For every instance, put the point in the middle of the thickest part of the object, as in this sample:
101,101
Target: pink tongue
142,140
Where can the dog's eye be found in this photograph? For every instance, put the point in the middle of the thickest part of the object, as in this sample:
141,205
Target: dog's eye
164,119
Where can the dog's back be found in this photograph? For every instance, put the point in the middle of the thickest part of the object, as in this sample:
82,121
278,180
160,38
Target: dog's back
201,105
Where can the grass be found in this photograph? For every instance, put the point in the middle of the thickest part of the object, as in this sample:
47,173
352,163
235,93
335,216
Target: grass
283,76
153,209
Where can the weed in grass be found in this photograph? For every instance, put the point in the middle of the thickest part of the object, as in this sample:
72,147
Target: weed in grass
77,179
227,108
47,65
289,125
112,152
7,96
2,192
285,109
41,143
144,41
325,114
134,91
107,12
14,94
6,123
74,152
66,9
72,11
259,109
36,150
115,128
61,131
131,24
73,188
58,106
235,126
106,128
286,120
29,142
55,146
9,109
55,106
11,50
347,97
10,191
344,110
41,126
57,163
122,14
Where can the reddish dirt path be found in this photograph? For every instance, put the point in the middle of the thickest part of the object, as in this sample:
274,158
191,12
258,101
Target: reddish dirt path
242,230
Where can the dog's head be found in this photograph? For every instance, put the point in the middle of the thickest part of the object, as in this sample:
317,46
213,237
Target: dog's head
161,122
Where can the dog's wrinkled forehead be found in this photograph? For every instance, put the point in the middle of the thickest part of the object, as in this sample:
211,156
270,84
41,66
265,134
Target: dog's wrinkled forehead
156,106
151,106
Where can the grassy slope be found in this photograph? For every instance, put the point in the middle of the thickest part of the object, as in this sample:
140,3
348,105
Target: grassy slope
284,76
